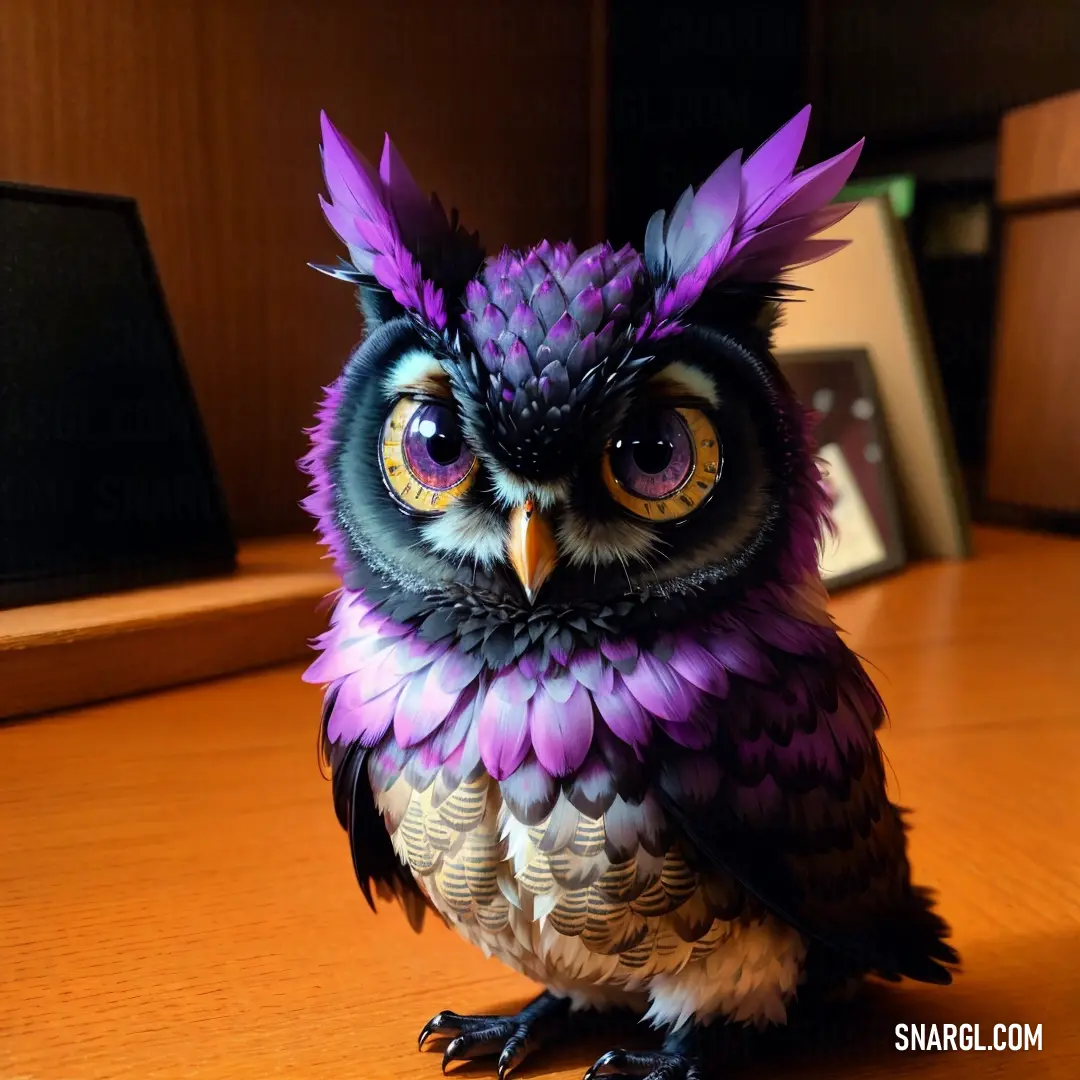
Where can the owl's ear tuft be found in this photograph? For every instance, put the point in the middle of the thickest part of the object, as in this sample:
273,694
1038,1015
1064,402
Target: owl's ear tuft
397,237
747,225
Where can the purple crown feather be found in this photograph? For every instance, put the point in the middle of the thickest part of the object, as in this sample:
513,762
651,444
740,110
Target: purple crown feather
540,321
750,221
394,233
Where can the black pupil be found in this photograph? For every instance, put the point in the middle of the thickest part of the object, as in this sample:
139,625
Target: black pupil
445,445
651,451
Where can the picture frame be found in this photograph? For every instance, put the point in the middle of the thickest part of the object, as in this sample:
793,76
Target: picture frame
867,296
857,461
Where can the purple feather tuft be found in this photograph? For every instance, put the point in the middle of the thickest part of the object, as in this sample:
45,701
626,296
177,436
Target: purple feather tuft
561,728
395,233
316,463
503,733
390,684
749,221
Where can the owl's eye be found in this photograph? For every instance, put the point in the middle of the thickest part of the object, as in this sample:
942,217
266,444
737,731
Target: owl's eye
425,461
664,463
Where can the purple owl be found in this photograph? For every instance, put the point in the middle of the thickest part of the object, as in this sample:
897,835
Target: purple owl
583,697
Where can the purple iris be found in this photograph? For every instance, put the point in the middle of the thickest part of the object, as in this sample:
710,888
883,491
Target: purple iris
434,449
654,455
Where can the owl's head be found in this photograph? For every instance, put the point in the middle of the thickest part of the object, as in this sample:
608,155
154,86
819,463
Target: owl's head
553,443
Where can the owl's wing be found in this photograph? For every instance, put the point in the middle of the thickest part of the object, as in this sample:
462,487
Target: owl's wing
377,866
797,812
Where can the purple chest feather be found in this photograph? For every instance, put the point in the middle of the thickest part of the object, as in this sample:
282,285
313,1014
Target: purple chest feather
560,713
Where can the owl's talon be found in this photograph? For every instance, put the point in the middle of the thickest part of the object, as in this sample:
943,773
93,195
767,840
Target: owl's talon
511,1038
601,1065
468,1046
445,1024
513,1054
645,1065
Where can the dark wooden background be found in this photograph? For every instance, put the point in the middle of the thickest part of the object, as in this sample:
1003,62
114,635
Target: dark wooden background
207,112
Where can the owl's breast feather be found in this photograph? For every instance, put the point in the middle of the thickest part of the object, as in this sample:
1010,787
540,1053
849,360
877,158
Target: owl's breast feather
448,706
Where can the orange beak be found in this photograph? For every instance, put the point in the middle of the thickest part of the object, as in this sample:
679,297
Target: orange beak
531,548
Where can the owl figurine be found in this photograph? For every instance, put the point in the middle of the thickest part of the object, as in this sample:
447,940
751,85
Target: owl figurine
583,698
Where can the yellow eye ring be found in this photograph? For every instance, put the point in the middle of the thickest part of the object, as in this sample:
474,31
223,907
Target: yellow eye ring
688,475
426,464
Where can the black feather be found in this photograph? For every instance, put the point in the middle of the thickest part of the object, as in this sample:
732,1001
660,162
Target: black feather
374,860
530,793
830,857
438,625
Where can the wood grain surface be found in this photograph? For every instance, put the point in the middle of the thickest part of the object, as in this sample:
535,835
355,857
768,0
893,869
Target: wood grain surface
207,112
1033,451
176,899
1034,444
1039,153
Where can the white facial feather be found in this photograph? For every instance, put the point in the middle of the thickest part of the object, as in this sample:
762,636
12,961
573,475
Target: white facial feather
511,490
680,378
471,534
585,542
414,370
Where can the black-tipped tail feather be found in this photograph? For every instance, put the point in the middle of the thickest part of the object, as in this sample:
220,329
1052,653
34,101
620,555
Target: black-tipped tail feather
378,869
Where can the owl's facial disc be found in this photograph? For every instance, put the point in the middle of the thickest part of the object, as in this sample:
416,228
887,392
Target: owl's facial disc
670,491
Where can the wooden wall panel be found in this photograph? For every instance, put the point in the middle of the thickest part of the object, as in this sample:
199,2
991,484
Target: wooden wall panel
1034,442
1039,154
1034,453
207,112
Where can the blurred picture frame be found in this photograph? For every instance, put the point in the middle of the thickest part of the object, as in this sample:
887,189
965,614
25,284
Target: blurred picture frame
867,297
856,460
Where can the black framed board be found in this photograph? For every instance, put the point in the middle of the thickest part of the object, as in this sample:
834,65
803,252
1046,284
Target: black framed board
107,480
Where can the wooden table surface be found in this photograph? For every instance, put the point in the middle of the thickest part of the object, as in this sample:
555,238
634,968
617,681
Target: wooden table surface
176,899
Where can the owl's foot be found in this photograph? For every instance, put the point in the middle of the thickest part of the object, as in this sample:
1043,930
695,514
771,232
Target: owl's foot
646,1065
512,1038
680,1058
